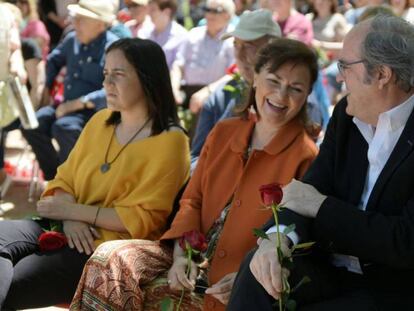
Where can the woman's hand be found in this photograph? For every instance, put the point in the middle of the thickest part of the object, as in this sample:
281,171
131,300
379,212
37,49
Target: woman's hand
177,278
80,235
54,207
222,289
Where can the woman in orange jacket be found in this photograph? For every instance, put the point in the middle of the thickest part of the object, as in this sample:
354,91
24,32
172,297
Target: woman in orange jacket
222,199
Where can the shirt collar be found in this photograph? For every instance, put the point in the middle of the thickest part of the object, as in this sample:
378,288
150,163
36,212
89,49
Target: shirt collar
391,120
282,140
95,42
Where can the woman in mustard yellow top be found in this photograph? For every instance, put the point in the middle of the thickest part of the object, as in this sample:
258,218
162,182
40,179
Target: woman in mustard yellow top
119,181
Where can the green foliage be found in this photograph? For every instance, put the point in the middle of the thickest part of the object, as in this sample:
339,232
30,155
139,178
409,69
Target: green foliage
260,233
167,304
186,117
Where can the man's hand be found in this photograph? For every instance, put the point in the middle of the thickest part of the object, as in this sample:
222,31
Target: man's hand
198,99
54,207
80,235
68,107
302,198
177,277
222,289
266,268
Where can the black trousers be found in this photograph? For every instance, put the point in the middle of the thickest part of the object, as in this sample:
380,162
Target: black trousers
330,289
32,279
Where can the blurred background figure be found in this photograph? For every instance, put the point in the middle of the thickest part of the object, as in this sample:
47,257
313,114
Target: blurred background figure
55,15
164,30
294,25
203,57
329,26
403,9
33,27
11,64
138,10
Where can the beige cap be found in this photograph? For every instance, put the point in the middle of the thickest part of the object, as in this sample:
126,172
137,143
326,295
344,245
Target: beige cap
254,25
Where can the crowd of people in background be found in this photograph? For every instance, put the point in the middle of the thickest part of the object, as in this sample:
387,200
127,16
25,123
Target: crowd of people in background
118,72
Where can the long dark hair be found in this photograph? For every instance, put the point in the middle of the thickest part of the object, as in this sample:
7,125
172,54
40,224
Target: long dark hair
275,54
148,59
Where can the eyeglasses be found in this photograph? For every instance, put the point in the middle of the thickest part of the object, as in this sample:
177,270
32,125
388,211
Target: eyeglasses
217,10
342,65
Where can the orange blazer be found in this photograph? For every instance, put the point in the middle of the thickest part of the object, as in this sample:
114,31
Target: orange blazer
223,172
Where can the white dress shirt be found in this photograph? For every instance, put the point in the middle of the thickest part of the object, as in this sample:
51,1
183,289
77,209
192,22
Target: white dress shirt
381,142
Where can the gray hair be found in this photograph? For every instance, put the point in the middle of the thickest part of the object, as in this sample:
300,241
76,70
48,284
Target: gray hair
390,42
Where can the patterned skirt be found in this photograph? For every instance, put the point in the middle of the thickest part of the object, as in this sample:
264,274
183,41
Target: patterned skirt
130,275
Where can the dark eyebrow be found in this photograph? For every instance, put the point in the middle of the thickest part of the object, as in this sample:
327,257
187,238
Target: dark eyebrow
298,83
115,70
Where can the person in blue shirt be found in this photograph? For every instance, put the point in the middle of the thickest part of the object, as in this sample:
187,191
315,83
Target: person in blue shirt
82,52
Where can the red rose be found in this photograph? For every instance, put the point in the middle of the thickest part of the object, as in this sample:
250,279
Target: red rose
51,240
195,239
232,69
271,194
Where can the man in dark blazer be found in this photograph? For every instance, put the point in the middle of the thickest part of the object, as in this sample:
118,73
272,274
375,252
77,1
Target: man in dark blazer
357,199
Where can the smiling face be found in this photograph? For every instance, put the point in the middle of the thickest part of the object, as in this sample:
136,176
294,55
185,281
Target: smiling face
280,95
123,88
360,88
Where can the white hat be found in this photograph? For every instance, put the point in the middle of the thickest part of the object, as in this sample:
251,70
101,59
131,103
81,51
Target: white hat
140,2
254,25
102,10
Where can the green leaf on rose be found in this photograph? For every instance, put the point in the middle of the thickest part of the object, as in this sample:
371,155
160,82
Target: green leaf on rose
302,282
260,233
302,246
289,229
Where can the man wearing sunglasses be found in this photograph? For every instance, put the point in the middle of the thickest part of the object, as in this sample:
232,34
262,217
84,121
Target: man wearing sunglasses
357,199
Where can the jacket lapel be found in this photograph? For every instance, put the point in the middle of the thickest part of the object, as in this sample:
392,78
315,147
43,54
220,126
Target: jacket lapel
401,151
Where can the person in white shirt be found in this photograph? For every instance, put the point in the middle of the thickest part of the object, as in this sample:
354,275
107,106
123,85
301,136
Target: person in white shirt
357,199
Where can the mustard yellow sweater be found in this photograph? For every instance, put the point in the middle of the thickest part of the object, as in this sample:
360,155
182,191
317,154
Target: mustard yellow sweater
141,184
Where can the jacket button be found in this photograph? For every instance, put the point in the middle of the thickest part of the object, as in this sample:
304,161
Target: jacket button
237,202
222,253
211,304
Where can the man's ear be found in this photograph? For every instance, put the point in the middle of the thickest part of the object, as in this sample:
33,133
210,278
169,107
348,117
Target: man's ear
384,76
254,79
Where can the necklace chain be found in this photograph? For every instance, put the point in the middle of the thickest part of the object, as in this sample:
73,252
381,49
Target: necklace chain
107,164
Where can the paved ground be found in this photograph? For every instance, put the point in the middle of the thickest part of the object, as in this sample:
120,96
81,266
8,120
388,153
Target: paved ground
15,204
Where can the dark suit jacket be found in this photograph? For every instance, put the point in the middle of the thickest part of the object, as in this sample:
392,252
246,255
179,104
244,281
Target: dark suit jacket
382,237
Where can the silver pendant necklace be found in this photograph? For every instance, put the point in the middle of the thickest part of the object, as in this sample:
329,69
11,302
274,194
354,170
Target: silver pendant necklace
106,166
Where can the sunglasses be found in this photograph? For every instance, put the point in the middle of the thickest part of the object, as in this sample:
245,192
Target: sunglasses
218,10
